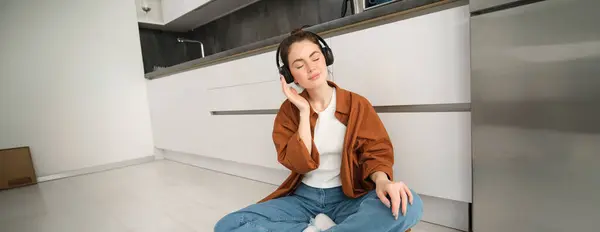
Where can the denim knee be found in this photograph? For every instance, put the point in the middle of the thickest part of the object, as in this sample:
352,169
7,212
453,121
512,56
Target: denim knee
224,223
413,215
414,212
232,221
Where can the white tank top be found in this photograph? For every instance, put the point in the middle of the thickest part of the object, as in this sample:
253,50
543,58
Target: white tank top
329,139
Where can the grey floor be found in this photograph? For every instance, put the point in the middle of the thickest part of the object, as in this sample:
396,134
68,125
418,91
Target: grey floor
157,196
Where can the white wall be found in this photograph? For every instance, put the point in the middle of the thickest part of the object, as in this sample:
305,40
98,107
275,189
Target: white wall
71,83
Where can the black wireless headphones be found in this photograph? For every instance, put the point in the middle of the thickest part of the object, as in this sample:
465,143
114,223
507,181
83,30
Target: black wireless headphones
284,70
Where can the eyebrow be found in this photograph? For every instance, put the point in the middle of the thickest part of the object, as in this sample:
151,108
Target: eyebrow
300,59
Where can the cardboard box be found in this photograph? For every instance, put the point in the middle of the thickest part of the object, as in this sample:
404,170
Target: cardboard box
16,168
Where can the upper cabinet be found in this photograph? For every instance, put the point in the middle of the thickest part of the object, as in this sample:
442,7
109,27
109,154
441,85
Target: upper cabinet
149,11
185,15
173,9
483,4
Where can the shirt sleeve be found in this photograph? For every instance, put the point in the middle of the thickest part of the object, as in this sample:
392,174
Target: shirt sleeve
375,149
291,151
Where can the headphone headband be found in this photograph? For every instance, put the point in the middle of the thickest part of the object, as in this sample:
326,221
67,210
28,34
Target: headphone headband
284,70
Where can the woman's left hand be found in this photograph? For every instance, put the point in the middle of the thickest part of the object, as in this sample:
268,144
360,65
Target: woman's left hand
399,194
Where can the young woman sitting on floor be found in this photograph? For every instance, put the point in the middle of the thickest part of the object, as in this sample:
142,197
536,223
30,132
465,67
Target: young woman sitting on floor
339,154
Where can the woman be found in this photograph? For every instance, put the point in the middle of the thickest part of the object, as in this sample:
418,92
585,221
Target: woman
339,154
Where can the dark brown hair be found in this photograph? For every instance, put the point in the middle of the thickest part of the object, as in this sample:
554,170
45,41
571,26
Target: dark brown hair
296,35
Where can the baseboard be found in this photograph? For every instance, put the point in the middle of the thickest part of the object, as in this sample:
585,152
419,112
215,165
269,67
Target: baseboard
447,213
94,169
257,173
438,211
159,154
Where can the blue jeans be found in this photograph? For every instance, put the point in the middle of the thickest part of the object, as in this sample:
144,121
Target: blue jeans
295,212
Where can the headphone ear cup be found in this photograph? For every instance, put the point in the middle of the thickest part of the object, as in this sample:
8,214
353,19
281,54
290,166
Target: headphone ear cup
285,72
328,56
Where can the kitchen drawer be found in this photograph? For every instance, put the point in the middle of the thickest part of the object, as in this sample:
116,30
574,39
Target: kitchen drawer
244,71
259,96
432,152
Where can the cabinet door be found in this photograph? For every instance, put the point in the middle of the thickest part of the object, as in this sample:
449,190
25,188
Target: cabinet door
422,60
243,138
259,96
179,112
250,83
173,9
250,70
191,5
154,16
432,152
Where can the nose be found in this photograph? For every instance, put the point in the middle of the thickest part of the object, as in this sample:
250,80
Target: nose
312,66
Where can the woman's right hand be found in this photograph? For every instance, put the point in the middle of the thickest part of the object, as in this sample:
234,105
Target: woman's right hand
292,95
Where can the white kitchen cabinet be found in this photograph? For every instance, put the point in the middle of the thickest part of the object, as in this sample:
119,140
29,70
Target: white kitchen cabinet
243,139
248,70
191,5
251,83
180,108
432,152
258,96
179,113
154,16
421,60
173,9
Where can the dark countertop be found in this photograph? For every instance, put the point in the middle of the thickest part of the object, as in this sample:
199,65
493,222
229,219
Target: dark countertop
372,17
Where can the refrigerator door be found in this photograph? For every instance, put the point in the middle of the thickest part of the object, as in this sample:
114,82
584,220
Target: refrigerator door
483,4
536,118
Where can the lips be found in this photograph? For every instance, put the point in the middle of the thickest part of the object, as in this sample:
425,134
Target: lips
314,76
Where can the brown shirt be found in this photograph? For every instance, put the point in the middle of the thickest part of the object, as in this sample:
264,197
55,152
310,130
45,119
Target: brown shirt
367,146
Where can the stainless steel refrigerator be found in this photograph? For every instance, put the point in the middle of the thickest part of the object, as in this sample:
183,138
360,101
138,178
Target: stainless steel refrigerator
535,92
